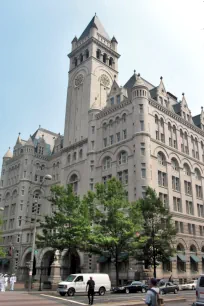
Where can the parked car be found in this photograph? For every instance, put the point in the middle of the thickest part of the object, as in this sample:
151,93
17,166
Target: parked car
168,287
189,286
200,291
131,287
77,283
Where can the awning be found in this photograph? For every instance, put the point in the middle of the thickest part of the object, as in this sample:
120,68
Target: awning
194,258
181,257
172,258
4,261
203,257
122,257
102,259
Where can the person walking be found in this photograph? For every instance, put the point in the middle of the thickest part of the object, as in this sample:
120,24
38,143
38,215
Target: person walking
12,282
152,296
6,280
91,286
2,283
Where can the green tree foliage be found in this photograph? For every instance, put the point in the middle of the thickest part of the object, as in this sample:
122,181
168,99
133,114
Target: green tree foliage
69,225
156,241
115,221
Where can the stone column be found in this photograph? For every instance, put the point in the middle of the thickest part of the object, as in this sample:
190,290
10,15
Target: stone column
55,276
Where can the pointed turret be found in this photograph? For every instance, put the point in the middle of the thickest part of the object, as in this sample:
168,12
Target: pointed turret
161,88
139,82
18,141
30,142
74,42
8,154
97,25
114,43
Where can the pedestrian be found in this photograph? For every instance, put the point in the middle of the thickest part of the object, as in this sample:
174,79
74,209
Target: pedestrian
171,279
152,296
6,280
12,282
91,286
2,280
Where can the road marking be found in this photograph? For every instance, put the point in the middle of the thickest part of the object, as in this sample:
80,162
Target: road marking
59,298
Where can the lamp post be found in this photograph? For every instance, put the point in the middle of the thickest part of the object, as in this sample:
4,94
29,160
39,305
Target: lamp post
40,285
47,177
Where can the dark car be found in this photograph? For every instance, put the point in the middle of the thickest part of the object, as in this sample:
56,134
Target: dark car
168,287
131,287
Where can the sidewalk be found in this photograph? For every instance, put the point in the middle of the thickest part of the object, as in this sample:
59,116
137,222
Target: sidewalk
140,303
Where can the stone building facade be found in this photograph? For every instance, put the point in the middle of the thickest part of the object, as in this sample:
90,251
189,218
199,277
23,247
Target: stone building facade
140,133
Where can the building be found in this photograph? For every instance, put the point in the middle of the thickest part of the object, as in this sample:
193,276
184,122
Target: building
138,132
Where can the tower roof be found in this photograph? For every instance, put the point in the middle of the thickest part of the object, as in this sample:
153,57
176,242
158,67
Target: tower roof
18,141
95,22
8,154
30,142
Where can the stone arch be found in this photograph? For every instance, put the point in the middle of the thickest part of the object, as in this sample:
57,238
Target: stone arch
122,148
107,153
104,122
42,253
196,166
186,161
71,173
37,188
99,70
164,151
26,252
182,241
176,156
193,242
161,116
7,193
84,70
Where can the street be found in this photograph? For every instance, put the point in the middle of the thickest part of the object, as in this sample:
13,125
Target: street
34,299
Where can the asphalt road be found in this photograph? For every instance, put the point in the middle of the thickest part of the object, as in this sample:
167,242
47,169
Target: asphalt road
42,299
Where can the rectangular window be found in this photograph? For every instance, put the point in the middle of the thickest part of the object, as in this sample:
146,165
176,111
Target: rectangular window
41,179
93,129
141,109
162,137
120,176
124,134
141,125
36,178
118,136
28,238
143,172
142,151
164,199
200,210
92,145
193,229
182,147
188,189
201,230
189,208
162,179
157,135
125,177
105,142
22,192
175,183
177,204
175,144
118,99
19,221
193,153
186,150
112,100
111,139
198,192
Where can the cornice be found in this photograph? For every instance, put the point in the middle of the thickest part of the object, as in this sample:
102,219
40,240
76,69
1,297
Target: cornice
108,110
176,117
187,217
90,40
75,145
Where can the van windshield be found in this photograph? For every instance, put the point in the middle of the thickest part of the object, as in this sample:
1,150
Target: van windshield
70,278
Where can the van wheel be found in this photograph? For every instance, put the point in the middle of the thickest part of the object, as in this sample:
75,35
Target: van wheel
71,292
193,288
175,291
127,290
143,290
102,291
62,293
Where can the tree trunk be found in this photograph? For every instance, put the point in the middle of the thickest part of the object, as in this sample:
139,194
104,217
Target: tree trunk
116,269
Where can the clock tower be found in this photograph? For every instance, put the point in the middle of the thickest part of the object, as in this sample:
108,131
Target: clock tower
93,68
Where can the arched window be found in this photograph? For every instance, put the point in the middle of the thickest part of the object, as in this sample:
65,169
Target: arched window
180,248
104,126
123,158
156,119
87,53
117,120
54,166
169,126
74,156
181,133
75,62
81,57
80,153
174,164
98,54
161,159
124,117
58,164
111,61
186,169
202,249
111,123
107,163
69,158
74,182
197,174
37,166
104,58
193,248
162,130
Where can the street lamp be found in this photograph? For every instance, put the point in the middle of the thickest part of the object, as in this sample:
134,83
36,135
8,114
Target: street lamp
47,177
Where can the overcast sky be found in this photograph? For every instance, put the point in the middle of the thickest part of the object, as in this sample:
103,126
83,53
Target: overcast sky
155,37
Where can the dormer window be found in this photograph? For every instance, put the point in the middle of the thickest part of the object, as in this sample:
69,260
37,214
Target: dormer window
112,100
118,99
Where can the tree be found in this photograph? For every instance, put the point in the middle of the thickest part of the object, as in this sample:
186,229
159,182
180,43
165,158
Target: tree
69,225
155,243
115,221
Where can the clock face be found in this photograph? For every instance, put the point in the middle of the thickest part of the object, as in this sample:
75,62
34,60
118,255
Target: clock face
105,80
79,80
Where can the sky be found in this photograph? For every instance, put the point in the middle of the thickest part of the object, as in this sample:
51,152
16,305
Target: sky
155,37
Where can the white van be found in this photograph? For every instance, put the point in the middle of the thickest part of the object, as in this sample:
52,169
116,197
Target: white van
77,283
200,291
